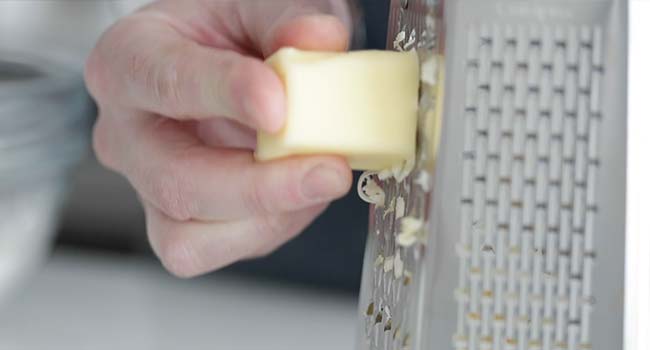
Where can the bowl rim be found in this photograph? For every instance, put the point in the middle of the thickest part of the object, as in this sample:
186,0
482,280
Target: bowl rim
52,76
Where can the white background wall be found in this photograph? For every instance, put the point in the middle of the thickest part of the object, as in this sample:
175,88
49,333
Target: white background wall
638,206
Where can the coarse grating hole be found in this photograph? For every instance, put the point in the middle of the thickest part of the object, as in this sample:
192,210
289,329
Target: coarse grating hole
532,118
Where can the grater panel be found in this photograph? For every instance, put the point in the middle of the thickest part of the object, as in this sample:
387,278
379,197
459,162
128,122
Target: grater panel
395,248
523,241
503,287
527,209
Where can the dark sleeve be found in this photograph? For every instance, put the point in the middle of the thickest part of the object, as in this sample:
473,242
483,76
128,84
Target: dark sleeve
375,14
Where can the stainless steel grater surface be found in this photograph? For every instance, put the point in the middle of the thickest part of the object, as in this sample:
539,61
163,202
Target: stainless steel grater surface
523,236
389,295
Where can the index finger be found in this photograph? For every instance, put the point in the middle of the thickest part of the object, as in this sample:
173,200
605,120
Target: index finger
322,25
146,64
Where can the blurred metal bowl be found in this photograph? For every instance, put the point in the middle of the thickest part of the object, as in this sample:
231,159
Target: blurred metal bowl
44,128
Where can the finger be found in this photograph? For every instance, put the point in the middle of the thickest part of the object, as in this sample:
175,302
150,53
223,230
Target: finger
308,25
226,133
146,64
186,179
191,248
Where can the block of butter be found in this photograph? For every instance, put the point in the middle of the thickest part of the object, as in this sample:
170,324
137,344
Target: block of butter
361,105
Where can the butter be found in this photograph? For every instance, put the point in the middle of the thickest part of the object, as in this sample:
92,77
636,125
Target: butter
361,105
432,121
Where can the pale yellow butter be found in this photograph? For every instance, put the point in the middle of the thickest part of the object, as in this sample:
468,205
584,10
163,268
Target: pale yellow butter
361,105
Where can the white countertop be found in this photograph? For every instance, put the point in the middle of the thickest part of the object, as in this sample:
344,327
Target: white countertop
84,301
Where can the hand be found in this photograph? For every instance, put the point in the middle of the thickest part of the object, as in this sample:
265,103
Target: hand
181,89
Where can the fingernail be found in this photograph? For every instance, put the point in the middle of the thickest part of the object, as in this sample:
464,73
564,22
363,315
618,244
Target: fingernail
324,183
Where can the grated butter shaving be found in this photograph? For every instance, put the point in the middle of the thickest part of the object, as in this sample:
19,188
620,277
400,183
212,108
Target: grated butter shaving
408,276
385,174
398,266
390,208
430,22
411,224
411,41
422,180
388,264
379,261
399,39
429,71
411,231
369,190
372,193
406,239
387,312
400,207
402,171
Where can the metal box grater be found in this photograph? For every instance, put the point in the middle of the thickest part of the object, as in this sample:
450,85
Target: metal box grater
509,235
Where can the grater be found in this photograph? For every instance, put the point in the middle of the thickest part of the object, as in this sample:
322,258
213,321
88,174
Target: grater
508,230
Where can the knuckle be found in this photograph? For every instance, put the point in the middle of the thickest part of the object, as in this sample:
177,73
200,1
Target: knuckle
275,190
255,199
101,143
239,80
169,188
270,229
164,82
236,74
100,62
93,74
165,77
141,71
274,231
293,197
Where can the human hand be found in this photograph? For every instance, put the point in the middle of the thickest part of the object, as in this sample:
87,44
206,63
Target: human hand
181,88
